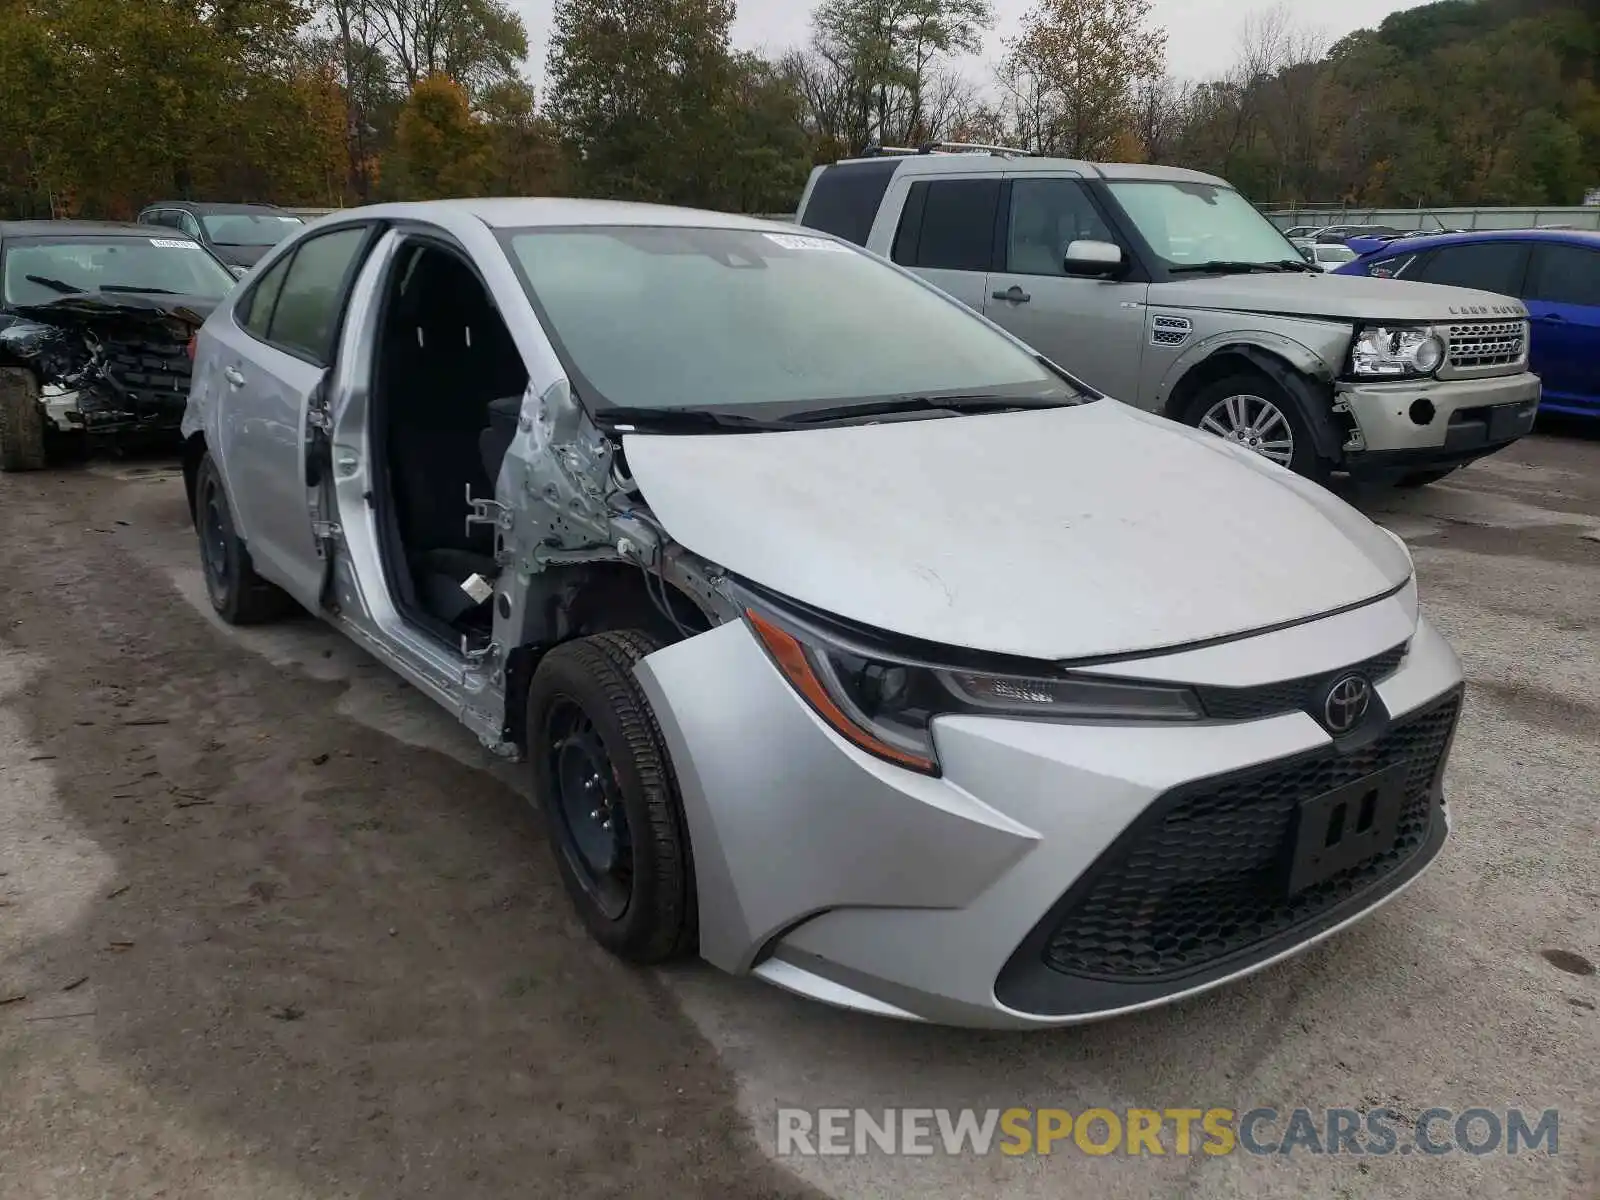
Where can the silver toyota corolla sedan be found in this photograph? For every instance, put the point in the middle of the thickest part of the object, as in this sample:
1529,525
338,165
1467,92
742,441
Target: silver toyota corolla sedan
849,642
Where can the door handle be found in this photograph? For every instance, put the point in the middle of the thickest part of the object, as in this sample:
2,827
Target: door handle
1014,294
1554,318
233,375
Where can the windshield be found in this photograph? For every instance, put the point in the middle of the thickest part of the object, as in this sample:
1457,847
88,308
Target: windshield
1191,223
249,229
1335,254
37,270
665,317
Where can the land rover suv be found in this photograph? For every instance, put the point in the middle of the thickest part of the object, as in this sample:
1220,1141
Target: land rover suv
1167,289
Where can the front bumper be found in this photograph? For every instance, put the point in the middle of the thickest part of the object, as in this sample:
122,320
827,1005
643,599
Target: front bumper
1434,422
838,876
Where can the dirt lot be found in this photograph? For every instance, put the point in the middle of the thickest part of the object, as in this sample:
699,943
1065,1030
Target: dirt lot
271,927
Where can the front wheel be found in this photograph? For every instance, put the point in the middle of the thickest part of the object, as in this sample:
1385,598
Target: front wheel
609,798
1253,411
21,421
239,595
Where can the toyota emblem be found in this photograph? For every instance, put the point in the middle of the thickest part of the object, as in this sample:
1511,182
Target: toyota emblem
1347,702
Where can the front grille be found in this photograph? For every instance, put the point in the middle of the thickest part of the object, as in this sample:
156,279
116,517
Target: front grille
1479,344
1303,694
148,371
1202,878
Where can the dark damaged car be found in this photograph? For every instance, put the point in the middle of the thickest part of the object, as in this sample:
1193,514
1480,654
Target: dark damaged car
95,325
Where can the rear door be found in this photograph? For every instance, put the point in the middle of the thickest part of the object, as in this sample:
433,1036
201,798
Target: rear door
275,360
1092,327
1563,297
947,234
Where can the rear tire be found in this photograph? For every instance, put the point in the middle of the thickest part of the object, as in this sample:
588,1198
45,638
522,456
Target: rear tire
1418,479
239,595
606,788
21,421
1257,413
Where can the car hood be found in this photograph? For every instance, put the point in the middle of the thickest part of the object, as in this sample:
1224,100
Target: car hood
1059,534
1341,297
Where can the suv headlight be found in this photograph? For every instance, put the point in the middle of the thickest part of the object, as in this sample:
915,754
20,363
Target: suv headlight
1396,351
885,705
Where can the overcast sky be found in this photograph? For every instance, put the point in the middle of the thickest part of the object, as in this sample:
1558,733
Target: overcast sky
1200,38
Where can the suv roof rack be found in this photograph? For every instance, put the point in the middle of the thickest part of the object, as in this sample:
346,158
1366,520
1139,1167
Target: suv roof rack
879,151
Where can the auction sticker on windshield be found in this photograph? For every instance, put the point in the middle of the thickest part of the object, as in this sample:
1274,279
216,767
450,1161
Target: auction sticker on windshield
174,244
790,242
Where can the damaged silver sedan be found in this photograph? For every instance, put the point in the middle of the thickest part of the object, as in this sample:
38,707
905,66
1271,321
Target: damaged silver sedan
848,641
95,324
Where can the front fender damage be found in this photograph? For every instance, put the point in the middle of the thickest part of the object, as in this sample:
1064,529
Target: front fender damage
567,508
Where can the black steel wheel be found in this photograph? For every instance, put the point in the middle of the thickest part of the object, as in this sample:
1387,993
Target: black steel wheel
605,785
239,595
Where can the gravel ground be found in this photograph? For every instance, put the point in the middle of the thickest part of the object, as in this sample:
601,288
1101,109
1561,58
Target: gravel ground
271,926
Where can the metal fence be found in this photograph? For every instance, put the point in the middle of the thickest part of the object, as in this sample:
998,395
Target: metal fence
1438,218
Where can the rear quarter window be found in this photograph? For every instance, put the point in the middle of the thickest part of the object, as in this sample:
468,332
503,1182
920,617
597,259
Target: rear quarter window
845,199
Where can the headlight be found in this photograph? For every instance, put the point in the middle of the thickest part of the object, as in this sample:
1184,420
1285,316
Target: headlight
885,705
1385,351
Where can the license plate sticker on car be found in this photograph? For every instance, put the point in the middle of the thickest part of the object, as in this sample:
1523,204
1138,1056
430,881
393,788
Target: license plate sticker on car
1343,828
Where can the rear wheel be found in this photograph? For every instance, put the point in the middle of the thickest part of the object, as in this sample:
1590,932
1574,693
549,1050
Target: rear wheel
1252,411
609,798
21,421
1419,479
240,596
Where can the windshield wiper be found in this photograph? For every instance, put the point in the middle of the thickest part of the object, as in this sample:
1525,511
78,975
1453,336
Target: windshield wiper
685,420
949,405
55,285
142,291
1222,266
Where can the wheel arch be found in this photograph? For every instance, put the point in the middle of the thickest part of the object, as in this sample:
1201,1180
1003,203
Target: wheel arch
194,450
1294,368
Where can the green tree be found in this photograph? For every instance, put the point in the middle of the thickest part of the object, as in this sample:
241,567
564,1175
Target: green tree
881,58
652,104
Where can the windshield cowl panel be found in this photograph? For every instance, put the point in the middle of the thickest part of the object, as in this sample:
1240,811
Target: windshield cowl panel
755,326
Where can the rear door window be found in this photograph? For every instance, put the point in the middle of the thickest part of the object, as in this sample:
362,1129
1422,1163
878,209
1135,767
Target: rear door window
949,225
1566,275
298,304
1487,266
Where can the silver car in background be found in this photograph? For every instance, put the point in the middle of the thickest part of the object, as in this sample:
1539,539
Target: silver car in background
847,641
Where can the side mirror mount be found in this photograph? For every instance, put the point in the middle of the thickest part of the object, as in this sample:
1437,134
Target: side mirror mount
1093,258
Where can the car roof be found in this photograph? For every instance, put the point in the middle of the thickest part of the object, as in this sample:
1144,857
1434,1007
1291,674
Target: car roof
518,212
12,229
202,207
1415,245
1022,164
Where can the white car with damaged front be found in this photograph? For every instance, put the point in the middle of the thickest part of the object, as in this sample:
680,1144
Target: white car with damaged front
848,642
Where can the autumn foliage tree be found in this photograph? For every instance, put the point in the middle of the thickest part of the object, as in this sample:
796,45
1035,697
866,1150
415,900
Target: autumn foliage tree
441,148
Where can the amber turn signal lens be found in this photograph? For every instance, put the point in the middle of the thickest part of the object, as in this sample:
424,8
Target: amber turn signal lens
790,656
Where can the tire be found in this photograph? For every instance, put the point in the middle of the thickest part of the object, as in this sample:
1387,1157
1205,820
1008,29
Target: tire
21,421
1236,403
1418,479
239,595
625,861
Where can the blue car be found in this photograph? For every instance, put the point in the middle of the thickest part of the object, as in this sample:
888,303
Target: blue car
1555,272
